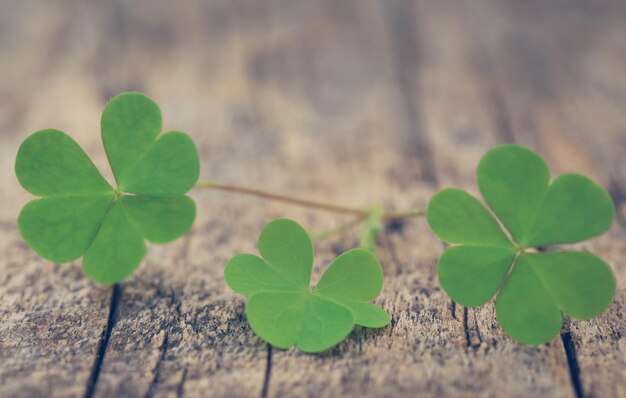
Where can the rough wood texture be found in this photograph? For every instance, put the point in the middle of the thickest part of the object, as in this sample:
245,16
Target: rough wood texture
354,101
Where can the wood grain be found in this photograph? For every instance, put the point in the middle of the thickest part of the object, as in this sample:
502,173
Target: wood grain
357,101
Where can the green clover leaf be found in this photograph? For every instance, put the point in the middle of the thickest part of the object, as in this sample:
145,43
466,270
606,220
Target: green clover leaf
80,214
533,287
284,311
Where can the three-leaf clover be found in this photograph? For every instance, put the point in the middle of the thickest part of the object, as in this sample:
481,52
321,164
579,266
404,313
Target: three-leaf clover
282,308
80,214
533,286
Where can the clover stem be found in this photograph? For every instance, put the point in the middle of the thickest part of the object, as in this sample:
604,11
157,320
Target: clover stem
360,212
339,230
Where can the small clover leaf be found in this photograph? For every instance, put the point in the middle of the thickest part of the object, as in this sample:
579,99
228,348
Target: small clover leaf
80,214
533,288
281,307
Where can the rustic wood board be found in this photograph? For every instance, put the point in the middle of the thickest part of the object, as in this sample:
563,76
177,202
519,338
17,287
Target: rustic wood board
353,101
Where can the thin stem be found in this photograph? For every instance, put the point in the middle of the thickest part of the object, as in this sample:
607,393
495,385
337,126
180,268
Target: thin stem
338,230
361,212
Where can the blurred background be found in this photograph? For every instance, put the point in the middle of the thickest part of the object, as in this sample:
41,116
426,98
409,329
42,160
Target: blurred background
294,76
351,101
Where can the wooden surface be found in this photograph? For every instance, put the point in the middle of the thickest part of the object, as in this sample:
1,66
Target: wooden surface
353,101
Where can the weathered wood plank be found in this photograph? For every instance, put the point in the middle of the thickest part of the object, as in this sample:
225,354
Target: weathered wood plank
44,338
440,363
463,124
51,318
570,111
353,101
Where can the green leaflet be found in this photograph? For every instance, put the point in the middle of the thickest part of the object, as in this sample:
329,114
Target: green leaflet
353,279
580,283
160,220
81,214
525,308
457,217
51,163
284,311
117,250
471,275
532,289
248,274
287,319
573,209
61,228
169,167
354,275
288,250
513,180
544,285
130,123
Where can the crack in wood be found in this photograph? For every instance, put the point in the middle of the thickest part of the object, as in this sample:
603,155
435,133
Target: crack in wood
619,198
157,368
170,330
180,388
168,326
268,373
473,338
468,340
116,296
477,329
572,363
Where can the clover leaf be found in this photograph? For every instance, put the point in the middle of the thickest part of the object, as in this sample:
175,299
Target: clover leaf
533,287
281,307
81,214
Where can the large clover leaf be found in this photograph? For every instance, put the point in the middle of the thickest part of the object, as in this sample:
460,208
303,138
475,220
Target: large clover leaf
80,214
533,287
284,311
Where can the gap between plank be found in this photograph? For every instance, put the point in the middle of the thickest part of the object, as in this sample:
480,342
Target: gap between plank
268,373
468,340
618,194
468,332
572,363
157,367
116,295
180,389
406,60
